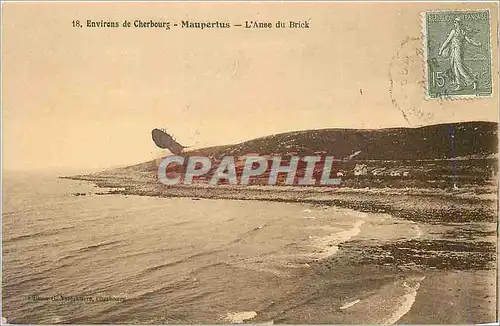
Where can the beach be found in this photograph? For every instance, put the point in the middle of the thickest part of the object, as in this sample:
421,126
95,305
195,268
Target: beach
285,256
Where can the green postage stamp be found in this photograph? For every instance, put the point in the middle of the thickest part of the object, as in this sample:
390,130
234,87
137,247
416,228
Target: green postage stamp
457,47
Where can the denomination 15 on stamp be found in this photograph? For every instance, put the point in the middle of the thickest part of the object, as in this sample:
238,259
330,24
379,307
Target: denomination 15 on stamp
457,47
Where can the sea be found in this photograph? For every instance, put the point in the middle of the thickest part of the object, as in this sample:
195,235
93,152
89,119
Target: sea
71,254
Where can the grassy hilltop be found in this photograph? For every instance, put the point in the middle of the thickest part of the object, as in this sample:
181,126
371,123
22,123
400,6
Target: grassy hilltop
440,155
466,139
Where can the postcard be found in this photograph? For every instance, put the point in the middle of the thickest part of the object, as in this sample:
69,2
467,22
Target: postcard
249,162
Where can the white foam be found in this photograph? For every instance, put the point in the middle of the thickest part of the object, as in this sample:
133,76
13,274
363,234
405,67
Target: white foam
407,300
329,245
240,317
419,231
350,304
309,217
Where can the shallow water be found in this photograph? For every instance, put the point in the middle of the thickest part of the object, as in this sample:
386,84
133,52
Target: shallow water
132,259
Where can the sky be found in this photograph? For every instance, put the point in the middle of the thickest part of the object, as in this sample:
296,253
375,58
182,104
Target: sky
89,98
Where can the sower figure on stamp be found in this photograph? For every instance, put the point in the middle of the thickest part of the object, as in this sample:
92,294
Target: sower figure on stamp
454,46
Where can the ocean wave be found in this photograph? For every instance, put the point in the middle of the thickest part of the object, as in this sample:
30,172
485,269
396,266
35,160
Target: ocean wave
38,234
98,246
184,283
329,245
242,237
406,301
239,317
143,253
177,262
27,280
349,304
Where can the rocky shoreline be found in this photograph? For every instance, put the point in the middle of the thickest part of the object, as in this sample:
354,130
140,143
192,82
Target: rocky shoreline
430,205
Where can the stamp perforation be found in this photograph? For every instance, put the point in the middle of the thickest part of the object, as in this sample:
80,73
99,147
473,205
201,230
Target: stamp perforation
424,32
